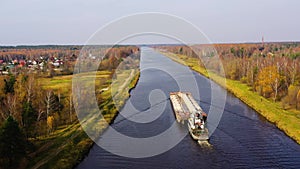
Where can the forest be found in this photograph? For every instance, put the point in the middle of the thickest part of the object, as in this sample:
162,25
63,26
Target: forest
36,100
270,69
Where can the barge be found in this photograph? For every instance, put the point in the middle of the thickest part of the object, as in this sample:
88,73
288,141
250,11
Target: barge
187,109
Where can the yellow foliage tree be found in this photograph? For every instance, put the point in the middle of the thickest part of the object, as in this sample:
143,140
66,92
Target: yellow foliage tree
269,81
298,99
50,123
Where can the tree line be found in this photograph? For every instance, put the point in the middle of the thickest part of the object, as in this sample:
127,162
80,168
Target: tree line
271,69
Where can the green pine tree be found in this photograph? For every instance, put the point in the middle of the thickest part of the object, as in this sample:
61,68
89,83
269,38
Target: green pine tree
12,144
29,117
9,84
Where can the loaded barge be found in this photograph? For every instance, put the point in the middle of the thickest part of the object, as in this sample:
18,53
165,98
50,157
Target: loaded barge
187,109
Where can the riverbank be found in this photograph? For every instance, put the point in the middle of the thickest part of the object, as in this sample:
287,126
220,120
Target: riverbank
285,120
68,145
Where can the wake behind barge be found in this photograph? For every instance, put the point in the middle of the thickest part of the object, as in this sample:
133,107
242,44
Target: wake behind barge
187,109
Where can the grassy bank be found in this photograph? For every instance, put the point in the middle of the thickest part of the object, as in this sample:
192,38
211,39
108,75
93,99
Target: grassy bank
286,120
67,145
61,149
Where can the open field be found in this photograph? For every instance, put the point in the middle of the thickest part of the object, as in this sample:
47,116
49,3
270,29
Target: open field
286,120
64,83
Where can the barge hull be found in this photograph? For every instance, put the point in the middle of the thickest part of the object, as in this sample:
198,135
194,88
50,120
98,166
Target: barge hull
187,109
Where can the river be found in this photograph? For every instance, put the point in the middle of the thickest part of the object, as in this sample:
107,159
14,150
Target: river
243,139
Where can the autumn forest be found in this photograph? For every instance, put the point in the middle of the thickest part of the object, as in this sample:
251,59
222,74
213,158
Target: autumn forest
36,101
272,69
38,122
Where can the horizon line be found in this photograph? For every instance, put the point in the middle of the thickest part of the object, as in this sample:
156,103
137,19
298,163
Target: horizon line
149,44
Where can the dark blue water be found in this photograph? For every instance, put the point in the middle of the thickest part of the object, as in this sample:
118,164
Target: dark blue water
243,139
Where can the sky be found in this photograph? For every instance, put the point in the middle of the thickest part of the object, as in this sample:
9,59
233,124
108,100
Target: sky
35,22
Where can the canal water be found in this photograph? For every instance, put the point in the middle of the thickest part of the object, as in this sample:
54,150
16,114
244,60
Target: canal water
242,139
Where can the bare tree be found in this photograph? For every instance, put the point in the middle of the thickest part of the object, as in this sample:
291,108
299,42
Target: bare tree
293,71
50,102
12,105
30,87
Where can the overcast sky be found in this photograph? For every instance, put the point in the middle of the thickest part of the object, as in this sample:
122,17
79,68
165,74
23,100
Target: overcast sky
74,21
